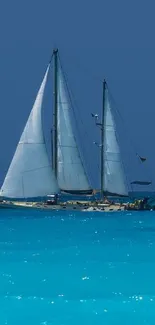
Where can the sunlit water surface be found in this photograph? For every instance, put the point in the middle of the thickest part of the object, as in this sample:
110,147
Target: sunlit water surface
77,268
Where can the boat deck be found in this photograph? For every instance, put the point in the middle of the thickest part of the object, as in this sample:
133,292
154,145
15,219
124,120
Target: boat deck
70,206
85,206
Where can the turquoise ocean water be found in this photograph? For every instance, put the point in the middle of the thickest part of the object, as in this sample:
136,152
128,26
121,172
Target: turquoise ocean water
77,268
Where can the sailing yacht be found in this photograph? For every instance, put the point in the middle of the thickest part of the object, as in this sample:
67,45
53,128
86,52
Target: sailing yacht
31,175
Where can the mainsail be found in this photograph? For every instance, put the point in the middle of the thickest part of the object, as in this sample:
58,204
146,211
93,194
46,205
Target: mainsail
113,174
71,173
30,173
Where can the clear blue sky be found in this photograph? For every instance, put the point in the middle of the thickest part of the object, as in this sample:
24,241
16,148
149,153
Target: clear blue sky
96,39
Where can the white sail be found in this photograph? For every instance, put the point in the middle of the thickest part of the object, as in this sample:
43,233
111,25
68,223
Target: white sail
30,173
114,178
71,172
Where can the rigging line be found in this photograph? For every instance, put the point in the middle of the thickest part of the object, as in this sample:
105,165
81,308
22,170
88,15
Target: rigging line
95,78
129,138
126,178
85,132
71,101
82,67
120,160
71,96
120,154
89,72
125,126
69,92
99,79
79,153
51,57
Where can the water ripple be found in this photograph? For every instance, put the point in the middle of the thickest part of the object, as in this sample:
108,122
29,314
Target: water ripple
69,269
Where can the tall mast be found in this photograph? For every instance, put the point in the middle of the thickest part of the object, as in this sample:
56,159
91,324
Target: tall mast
55,111
102,141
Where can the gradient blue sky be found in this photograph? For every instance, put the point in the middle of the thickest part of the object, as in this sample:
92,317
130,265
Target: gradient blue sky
96,39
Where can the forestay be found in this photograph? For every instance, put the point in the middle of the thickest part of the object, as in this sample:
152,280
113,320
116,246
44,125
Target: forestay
114,178
71,173
30,173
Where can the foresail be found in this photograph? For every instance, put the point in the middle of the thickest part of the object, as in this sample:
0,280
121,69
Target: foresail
114,178
30,173
71,172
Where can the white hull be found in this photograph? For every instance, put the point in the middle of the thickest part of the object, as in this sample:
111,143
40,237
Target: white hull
67,206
